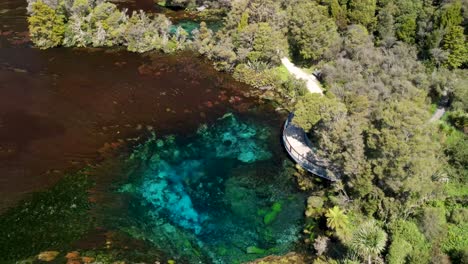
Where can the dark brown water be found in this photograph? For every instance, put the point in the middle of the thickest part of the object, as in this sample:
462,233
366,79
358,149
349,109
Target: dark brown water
60,108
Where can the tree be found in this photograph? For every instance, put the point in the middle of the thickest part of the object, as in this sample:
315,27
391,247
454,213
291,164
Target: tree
203,38
244,21
404,155
78,32
363,12
369,240
54,4
450,14
336,219
81,8
142,34
313,108
312,32
46,26
107,24
268,45
405,17
386,23
339,14
408,244
455,43
223,53
434,224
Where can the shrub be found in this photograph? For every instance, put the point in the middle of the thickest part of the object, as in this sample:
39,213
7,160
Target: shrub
46,26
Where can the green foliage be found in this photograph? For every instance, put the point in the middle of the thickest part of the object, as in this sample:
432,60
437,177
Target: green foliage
459,216
416,152
313,108
368,240
49,219
312,32
108,25
386,23
363,12
46,26
203,39
144,34
255,250
314,207
455,43
267,44
264,79
434,224
456,242
450,14
339,14
336,219
406,16
244,21
273,213
406,233
81,8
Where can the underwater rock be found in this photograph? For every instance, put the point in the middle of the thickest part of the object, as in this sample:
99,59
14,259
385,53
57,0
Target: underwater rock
236,197
47,255
233,139
73,255
87,260
173,199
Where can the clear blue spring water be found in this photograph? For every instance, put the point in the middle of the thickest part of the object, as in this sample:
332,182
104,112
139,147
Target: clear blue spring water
218,196
190,26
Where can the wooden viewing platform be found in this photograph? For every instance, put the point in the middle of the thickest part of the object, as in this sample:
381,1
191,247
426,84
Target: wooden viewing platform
302,152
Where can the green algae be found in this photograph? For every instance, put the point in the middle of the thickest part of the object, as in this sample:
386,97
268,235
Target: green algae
50,219
273,213
255,250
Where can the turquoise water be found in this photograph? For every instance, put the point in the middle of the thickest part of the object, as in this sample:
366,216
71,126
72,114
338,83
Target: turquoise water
190,25
218,196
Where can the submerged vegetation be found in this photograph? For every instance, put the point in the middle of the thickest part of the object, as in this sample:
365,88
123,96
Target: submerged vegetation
403,190
52,219
202,201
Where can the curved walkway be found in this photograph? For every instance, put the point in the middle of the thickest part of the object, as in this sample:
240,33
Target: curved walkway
313,85
299,148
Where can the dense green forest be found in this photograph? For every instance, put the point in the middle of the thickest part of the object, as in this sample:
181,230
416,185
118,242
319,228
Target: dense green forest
384,64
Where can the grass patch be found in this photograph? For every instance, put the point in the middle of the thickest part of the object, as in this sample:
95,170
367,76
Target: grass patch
282,72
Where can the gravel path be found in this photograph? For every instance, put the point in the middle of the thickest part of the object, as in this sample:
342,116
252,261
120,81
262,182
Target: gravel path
313,85
438,114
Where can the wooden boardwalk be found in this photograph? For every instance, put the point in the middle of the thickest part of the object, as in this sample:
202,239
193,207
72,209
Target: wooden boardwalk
301,151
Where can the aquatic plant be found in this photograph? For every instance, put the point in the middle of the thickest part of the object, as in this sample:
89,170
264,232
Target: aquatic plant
271,216
49,219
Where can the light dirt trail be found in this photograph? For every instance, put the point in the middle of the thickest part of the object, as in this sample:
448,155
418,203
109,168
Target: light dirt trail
312,83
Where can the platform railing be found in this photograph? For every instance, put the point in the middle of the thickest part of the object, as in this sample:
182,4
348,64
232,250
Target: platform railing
307,163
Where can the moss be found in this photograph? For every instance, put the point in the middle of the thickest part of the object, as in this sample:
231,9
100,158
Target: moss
49,219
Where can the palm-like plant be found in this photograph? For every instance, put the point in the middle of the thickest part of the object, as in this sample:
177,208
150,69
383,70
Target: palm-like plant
369,240
336,219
